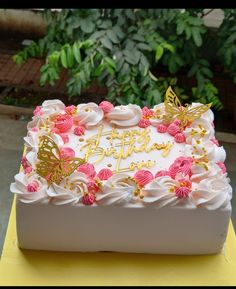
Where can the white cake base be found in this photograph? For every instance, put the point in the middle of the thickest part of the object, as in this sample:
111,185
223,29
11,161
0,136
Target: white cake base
168,230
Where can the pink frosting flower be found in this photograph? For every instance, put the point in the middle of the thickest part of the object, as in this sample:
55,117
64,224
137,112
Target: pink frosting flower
88,169
144,123
28,170
222,166
162,128
173,129
64,137
181,165
35,129
88,199
143,177
162,173
37,111
180,137
147,113
104,174
177,122
182,192
79,130
92,187
106,106
71,109
33,187
24,162
215,141
67,153
64,123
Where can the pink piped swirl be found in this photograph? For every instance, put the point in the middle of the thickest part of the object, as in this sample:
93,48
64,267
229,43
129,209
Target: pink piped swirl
181,165
104,174
162,173
143,177
180,137
222,166
79,130
147,113
32,187
88,169
64,123
177,122
106,106
64,137
67,153
173,129
26,165
162,128
34,129
37,111
71,109
182,192
143,123
92,187
88,199
215,141
28,170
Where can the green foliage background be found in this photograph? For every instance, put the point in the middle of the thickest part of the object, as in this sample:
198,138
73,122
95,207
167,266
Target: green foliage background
136,53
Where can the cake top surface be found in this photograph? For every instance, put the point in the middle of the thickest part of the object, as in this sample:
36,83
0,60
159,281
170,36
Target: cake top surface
123,155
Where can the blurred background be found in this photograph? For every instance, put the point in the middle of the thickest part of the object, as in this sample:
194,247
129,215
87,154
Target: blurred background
122,55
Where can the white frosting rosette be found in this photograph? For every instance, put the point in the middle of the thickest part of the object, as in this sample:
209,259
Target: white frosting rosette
159,109
70,190
160,192
208,148
201,171
32,138
208,115
125,115
29,188
89,114
200,129
52,107
119,189
213,193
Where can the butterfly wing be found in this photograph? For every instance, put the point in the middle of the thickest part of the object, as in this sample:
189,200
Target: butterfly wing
194,113
172,106
50,165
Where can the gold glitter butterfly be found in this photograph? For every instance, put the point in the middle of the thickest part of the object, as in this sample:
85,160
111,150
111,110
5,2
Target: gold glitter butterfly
186,114
51,165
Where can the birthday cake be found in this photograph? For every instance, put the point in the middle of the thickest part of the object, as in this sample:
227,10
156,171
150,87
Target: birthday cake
123,178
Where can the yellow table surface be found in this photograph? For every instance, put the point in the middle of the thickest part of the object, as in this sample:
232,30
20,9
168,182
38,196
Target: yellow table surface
28,267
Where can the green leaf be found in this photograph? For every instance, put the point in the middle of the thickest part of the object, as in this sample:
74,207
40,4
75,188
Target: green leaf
110,61
106,42
144,46
129,57
70,57
63,59
197,37
87,26
168,46
76,52
111,34
159,52
180,27
187,32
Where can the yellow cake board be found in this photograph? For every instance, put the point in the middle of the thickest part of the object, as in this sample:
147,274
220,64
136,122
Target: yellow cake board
28,267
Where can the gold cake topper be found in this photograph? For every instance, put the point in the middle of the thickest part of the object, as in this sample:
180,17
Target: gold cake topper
50,165
175,110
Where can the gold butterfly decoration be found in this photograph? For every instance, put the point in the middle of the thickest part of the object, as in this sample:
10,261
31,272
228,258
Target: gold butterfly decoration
186,114
51,165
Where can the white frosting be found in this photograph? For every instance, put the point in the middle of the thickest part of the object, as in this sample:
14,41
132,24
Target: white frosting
89,114
213,193
32,138
125,115
19,187
159,109
159,192
208,148
200,129
204,171
117,190
52,107
70,190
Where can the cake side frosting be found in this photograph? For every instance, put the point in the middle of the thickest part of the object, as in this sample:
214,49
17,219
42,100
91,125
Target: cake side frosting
124,155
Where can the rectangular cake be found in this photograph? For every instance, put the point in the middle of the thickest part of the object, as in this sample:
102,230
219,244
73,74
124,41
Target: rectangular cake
123,178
